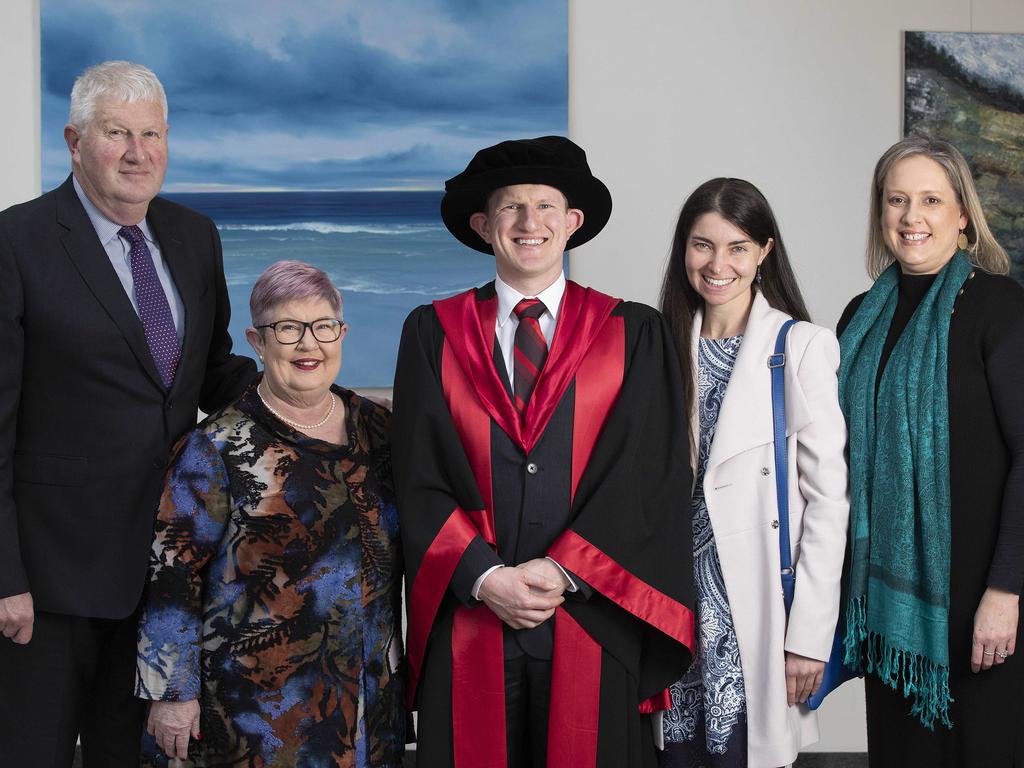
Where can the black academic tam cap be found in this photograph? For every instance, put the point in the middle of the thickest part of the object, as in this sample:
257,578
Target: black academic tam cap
551,160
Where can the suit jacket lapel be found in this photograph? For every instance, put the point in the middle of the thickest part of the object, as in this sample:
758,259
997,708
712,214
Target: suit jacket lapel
183,271
86,253
502,370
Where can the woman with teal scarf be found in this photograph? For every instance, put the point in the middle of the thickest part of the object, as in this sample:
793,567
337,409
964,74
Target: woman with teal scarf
930,383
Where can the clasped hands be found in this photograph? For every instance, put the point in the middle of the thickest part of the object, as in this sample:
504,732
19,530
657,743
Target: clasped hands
526,595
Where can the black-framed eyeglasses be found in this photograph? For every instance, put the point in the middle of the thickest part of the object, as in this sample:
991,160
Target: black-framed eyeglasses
326,329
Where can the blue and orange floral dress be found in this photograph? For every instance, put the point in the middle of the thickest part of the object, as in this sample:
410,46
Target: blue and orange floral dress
274,593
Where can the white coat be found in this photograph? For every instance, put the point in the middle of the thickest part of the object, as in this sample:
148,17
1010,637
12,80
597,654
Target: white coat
739,487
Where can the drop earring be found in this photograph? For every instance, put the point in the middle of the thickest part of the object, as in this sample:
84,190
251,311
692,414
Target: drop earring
757,277
961,241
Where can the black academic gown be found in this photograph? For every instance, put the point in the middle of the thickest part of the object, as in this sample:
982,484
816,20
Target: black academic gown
627,534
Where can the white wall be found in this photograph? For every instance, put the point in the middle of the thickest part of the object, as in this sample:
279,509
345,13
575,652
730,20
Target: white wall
798,96
19,93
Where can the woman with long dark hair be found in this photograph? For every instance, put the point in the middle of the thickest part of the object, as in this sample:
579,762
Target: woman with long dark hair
931,385
728,290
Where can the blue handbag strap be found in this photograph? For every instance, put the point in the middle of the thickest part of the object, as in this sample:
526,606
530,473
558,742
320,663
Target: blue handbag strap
777,364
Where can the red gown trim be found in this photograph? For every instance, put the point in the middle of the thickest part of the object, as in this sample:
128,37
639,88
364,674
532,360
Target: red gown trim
474,428
468,325
575,695
478,647
620,586
659,702
428,589
478,689
576,661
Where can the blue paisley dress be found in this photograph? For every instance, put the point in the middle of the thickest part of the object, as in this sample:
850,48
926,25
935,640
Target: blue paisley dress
275,579
706,727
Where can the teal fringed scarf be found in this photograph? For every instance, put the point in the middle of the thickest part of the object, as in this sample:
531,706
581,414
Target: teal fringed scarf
897,617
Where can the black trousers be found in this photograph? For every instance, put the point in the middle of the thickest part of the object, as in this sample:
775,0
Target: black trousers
74,678
527,704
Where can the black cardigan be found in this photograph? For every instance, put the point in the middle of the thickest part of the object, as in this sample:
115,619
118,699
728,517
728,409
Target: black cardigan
986,426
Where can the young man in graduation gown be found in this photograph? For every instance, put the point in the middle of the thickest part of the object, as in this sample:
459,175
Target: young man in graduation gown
541,461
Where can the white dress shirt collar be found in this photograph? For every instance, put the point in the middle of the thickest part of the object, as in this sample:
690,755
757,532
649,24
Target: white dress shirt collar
106,229
508,297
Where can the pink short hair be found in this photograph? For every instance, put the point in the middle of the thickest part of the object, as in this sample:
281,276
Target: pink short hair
291,280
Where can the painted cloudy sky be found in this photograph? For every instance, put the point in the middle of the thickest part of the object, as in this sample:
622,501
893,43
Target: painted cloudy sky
319,94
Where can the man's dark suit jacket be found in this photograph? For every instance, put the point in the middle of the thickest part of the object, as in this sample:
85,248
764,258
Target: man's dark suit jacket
85,423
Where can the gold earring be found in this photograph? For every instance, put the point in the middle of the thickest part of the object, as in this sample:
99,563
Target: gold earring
961,241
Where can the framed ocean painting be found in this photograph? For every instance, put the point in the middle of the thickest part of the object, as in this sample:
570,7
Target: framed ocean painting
968,88
324,131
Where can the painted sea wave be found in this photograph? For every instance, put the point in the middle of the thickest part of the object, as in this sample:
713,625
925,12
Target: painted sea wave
325,228
387,252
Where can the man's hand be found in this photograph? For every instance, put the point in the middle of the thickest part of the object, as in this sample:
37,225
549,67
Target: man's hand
520,597
171,723
548,571
803,677
17,617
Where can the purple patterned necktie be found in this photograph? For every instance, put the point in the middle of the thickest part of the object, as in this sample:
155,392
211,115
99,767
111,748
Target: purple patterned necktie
530,350
154,311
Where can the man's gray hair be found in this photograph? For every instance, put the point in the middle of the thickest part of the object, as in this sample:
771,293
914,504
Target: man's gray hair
121,80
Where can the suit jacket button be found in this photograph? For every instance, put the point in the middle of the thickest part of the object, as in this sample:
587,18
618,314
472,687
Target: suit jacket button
531,468
158,463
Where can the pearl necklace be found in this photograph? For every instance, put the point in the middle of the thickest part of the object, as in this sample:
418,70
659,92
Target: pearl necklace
289,422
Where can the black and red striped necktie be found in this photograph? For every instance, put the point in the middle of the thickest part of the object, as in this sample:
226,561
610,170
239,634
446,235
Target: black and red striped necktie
529,350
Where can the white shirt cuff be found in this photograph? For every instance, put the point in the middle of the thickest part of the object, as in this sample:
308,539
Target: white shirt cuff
479,582
572,584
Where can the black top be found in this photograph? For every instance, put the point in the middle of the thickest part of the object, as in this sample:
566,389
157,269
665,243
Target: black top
912,289
986,417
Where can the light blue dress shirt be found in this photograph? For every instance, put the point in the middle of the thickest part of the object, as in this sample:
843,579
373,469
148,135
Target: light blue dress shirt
118,250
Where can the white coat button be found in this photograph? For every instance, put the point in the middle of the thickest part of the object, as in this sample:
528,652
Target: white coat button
531,468
775,523
765,471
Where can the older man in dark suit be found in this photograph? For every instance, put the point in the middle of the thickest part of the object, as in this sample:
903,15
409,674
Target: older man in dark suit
113,320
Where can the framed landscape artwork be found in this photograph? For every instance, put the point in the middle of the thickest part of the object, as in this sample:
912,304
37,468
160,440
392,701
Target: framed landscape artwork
968,88
324,131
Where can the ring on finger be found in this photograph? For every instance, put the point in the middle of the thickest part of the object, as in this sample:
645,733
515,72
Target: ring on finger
988,653
1002,654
